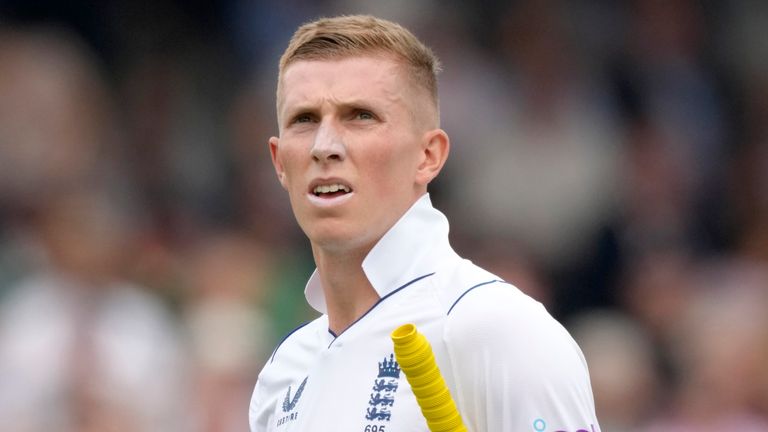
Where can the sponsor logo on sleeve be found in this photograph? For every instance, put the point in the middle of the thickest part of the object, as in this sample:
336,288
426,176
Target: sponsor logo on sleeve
289,404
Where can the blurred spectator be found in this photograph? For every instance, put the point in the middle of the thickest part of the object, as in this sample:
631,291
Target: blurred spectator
676,124
719,352
230,333
658,288
541,167
749,178
55,115
80,348
622,365
57,131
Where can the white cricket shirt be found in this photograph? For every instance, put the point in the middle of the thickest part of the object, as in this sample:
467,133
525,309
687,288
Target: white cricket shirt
509,365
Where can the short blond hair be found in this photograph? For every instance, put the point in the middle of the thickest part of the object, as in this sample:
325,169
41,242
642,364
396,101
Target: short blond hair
355,35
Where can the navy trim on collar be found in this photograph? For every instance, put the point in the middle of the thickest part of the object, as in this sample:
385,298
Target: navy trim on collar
396,290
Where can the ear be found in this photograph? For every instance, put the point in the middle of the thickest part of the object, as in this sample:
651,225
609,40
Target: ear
434,153
273,150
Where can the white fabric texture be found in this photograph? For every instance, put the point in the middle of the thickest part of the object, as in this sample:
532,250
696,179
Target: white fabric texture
509,365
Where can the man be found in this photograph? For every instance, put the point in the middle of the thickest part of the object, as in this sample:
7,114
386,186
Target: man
359,143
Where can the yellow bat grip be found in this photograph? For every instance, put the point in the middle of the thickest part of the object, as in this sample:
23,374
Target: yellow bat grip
414,354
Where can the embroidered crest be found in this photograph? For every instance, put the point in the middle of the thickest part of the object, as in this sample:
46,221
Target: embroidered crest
288,403
384,388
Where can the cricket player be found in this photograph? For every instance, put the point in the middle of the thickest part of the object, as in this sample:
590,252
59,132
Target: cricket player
359,141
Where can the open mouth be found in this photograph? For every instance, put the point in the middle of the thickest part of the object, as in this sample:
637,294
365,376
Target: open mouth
331,190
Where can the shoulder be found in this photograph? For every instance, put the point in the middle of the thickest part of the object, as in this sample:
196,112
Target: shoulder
488,313
471,293
286,364
497,309
497,318
302,338
504,349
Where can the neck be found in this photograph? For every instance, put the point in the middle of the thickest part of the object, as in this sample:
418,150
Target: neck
348,292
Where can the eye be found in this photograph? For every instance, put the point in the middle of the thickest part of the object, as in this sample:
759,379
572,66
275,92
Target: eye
364,115
302,118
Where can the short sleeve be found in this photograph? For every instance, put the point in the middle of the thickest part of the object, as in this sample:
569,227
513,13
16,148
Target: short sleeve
253,420
514,367
258,414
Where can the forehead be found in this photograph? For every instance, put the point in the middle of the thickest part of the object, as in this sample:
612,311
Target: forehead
349,78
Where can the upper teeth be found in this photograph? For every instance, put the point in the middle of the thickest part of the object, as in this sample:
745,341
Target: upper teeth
330,188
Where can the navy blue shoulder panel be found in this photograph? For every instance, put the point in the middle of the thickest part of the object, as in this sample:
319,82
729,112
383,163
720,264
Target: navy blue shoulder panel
470,289
272,357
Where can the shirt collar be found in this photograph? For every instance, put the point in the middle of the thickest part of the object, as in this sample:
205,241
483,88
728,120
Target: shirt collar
413,247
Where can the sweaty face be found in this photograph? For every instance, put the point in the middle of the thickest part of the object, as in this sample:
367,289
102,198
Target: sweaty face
349,148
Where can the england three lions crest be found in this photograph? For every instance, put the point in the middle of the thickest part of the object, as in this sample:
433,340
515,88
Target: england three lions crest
383,390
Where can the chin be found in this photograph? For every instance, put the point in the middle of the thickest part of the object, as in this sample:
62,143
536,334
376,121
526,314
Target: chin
334,238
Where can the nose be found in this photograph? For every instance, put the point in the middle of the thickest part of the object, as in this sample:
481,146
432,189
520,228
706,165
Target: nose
328,145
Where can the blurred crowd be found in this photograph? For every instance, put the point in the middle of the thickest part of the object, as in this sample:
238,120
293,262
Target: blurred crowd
608,158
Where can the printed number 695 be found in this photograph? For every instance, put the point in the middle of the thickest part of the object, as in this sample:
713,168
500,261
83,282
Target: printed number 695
375,428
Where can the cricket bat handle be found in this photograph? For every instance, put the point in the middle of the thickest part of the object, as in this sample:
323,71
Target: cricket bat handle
414,355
